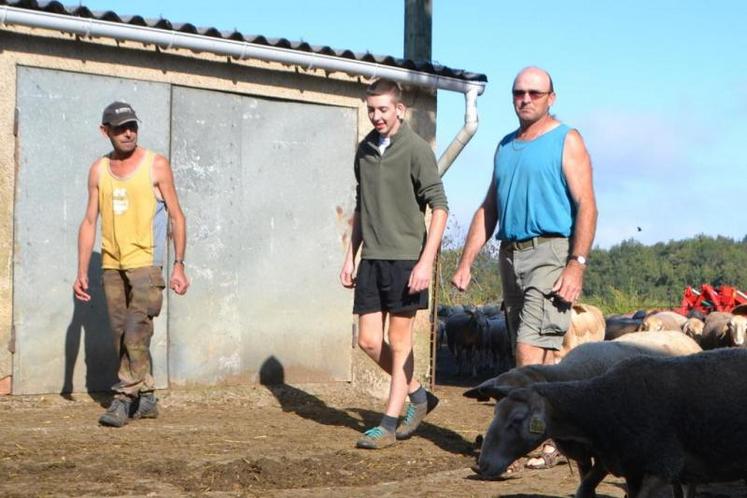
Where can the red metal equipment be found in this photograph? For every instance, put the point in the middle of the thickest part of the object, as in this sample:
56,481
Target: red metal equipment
708,299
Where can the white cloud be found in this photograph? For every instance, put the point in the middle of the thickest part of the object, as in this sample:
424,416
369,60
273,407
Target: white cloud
673,178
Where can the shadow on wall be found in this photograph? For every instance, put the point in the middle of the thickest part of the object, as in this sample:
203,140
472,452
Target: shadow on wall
303,404
90,322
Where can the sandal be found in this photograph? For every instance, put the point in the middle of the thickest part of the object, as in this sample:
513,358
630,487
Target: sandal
537,452
549,460
515,467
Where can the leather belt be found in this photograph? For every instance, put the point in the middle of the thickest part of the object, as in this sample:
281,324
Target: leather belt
520,245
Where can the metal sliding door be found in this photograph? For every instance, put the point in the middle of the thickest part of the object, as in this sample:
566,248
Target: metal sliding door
62,345
263,183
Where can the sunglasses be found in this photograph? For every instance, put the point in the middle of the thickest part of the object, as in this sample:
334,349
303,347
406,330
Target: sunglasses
533,94
132,126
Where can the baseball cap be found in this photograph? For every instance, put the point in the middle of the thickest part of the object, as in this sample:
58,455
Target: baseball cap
118,113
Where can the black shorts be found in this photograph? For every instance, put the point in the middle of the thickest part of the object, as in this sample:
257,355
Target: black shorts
381,285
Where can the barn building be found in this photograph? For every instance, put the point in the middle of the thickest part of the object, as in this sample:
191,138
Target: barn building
261,134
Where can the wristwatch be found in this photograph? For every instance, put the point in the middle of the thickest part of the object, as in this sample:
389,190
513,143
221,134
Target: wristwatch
179,261
579,259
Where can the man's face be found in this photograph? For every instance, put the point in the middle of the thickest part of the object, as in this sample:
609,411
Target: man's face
384,113
532,96
123,137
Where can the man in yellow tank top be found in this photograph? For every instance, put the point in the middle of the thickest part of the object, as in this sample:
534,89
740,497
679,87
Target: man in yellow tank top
132,189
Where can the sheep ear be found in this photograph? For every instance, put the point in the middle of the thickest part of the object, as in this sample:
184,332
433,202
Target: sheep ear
487,390
537,425
579,308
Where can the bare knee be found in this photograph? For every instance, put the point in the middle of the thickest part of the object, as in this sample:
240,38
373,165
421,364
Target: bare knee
400,344
527,354
370,345
371,333
400,332
400,340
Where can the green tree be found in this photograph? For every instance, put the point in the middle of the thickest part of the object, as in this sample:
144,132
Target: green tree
626,277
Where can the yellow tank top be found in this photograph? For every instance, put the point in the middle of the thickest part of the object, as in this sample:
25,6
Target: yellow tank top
133,219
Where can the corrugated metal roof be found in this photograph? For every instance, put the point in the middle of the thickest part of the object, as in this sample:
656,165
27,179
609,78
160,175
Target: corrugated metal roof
165,24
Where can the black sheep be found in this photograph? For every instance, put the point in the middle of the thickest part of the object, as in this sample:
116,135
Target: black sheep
652,420
509,437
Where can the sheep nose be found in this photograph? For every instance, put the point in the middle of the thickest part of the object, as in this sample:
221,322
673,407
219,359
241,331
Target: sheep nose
480,469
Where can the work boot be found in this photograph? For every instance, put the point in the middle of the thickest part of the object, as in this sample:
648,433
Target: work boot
116,414
415,414
147,406
376,438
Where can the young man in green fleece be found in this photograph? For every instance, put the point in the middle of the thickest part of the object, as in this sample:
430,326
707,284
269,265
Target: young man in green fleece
397,177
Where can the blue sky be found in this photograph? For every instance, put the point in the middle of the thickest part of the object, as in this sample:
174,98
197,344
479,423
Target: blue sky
657,89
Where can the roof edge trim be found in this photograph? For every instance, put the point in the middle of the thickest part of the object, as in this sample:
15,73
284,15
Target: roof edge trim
90,27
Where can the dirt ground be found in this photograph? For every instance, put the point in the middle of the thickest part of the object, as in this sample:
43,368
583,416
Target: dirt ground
286,441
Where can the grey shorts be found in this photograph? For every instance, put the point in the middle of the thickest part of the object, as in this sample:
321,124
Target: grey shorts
534,315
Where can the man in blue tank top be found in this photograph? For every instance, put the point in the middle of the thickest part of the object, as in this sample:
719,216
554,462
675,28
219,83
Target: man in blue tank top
542,199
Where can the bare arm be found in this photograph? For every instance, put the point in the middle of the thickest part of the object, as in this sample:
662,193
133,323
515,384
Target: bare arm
348,265
480,229
420,277
87,235
347,274
578,175
164,181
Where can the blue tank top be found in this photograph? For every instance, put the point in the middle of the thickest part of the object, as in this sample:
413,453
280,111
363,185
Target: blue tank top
532,194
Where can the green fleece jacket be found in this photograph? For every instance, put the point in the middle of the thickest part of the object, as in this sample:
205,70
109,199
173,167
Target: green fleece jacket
392,192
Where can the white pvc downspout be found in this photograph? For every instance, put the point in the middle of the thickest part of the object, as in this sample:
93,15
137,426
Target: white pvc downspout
241,50
465,134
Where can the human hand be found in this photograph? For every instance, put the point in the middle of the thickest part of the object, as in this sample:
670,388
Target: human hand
420,277
461,278
179,282
80,288
569,284
347,278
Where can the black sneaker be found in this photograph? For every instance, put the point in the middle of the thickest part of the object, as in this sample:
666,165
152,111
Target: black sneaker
414,416
116,414
147,406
